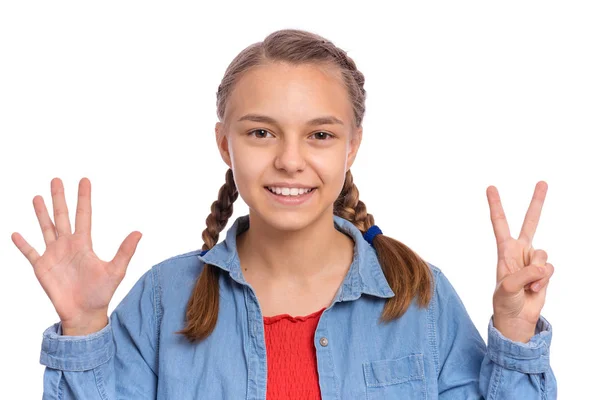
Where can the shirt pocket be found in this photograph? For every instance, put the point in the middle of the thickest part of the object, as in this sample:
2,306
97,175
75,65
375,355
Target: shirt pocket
399,378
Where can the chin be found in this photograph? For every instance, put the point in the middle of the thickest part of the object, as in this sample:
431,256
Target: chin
285,220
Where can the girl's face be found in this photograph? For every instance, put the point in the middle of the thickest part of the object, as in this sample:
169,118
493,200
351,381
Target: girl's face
288,135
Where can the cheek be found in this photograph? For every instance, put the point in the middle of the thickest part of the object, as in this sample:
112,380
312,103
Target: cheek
248,168
331,168
330,164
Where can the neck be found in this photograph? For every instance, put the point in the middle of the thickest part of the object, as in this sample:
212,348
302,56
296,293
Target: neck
302,255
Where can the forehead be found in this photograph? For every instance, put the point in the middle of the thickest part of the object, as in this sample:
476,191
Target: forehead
291,93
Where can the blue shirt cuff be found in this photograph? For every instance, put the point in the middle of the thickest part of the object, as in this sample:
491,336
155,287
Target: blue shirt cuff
532,357
76,353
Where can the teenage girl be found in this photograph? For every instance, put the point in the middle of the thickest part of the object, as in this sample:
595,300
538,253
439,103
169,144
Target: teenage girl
305,298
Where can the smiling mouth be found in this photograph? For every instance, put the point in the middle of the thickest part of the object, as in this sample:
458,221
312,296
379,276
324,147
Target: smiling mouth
291,192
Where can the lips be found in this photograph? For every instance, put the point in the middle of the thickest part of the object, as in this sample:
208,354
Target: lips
289,191
290,199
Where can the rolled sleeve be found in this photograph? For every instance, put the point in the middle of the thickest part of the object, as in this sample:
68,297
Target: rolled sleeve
532,357
76,353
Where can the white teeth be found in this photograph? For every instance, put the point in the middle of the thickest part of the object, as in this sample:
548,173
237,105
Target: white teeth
289,191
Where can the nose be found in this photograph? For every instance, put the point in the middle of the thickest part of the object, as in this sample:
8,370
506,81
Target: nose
290,157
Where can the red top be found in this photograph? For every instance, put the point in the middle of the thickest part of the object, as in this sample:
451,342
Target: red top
291,358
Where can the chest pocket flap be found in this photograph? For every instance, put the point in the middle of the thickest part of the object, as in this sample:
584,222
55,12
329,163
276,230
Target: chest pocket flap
391,372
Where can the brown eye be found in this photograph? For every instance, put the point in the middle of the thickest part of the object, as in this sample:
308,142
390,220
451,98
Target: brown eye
322,135
260,133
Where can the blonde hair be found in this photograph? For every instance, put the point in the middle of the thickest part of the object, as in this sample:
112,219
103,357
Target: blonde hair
407,274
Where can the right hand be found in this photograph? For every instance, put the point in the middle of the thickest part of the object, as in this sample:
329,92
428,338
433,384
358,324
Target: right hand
78,283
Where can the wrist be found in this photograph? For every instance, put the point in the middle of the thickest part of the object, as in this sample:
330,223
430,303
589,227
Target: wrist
517,331
84,326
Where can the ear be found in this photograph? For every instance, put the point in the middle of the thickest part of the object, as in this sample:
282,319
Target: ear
222,143
353,148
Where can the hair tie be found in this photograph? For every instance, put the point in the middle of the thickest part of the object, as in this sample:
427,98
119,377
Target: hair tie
371,233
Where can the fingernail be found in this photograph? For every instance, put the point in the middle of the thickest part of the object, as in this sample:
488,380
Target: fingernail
536,287
542,270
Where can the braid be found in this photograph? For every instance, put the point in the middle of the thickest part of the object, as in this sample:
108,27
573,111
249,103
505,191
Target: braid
203,306
344,61
355,80
408,275
220,212
349,206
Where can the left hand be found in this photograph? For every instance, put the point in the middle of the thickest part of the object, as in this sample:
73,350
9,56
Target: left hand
523,273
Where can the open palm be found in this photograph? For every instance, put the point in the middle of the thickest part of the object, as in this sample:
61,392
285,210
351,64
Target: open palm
78,283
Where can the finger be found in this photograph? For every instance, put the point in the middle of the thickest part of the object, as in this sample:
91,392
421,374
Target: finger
543,283
539,258
28,251
126,251
514,283
528,255
534,257
534,211
48,228
83,215
61,212
540,285
499,222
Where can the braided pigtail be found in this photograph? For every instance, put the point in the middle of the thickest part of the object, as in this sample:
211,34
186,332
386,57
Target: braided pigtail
203,306
407,274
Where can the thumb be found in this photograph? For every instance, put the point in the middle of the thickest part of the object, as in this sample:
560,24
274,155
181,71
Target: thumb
516,282
126,251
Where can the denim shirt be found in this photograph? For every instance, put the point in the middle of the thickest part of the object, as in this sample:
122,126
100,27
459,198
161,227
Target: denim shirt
428,353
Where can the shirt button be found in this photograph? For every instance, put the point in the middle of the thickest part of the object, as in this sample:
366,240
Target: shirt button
323,341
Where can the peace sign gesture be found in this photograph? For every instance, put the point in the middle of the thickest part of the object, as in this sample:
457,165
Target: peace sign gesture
522,272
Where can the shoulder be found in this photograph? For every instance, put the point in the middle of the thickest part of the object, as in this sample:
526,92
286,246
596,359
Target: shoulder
445,298
434,269
437,275
440,279
444,295
177,272
181,259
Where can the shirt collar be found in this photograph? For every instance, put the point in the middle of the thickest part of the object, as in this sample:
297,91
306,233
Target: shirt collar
364,276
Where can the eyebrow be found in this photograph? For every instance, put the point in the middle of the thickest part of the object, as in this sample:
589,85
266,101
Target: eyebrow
325,120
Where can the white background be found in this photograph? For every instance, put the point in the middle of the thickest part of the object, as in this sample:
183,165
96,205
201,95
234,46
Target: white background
460,96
